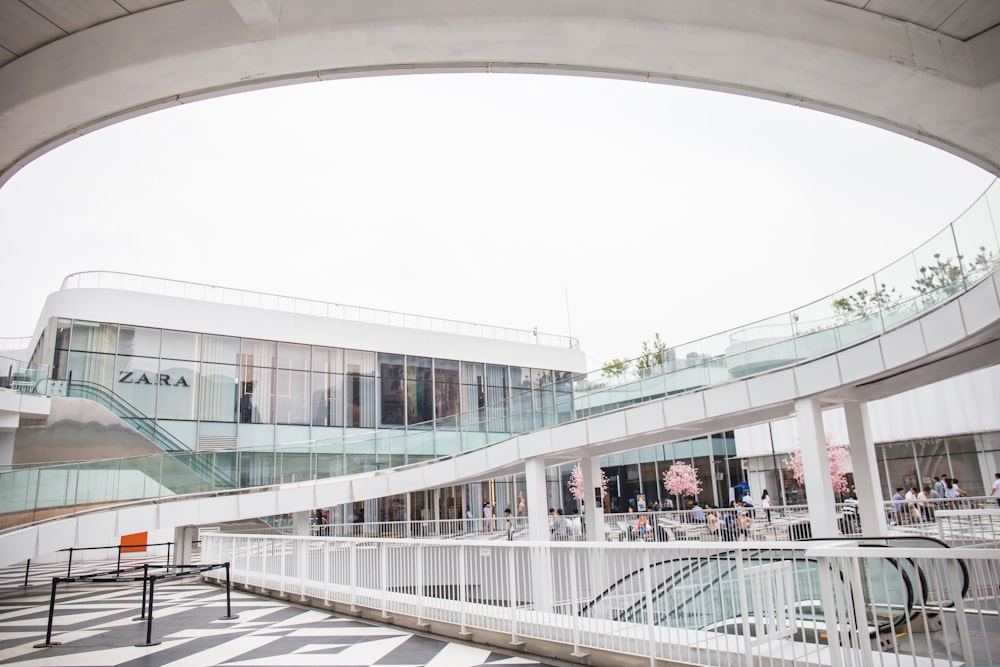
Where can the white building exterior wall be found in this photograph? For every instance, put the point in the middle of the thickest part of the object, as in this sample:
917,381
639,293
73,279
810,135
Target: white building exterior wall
158,311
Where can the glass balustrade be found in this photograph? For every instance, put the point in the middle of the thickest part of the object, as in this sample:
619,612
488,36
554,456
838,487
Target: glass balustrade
953,261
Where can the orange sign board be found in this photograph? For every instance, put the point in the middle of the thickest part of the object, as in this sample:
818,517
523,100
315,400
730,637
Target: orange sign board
136,542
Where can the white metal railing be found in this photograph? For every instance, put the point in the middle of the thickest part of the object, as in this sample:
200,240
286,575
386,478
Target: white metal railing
968,527
240,297
816,603
965,527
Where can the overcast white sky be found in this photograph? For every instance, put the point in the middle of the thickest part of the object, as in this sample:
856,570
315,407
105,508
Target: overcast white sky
608,210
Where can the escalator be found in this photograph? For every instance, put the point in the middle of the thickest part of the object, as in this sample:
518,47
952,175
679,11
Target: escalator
776,593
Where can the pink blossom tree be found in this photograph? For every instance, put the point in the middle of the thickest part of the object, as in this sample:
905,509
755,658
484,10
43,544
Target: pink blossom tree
681,480
576,487
837,455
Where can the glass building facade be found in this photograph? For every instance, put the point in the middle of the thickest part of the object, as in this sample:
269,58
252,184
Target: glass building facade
222,390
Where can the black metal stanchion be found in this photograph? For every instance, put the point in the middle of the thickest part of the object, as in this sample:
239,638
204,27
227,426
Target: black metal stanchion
52,610
27,567
149,615
145,579
168,556
69,566
229,607
118,564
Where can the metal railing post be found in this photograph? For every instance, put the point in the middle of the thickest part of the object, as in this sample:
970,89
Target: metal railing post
52,610
229,605
149,615
27,567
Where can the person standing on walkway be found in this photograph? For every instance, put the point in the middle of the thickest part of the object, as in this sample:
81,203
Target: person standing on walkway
488,517
996,488
765,502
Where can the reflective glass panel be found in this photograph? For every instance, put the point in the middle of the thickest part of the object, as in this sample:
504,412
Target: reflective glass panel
447,395
294,357
256,395
258,353
218,392
419,390
359,388
89,367
94,337
179,345
136,379
220,349
291,401
327,399
392,390
177,390
328,359
138,341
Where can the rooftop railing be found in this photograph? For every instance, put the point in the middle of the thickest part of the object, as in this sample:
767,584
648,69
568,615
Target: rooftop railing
287,304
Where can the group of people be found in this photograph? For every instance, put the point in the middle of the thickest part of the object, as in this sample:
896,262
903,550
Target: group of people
561,525
918,505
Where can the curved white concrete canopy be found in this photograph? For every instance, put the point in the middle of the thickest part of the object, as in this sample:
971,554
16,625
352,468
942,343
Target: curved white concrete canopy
913,76
958,336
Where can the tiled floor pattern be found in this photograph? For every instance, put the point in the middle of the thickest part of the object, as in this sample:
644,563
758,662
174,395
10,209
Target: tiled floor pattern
95,627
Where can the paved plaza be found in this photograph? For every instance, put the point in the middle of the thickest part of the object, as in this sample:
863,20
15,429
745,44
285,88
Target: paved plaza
95,626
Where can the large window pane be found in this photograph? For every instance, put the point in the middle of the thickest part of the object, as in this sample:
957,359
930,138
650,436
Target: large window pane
328,359
218,392
473,396
291,402
294,357
220,349
419,390
94,337
359,388
447,401
64,328
90,367
497,393
392,390
256,395
179,345
261,353
327,399
135,381
177,391
138,341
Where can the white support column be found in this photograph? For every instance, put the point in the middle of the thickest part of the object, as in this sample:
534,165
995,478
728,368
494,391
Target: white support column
183,537
538,519
816,468
300,523
594,516
866,476
538,531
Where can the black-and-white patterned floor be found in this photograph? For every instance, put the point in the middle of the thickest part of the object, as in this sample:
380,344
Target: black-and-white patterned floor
95,627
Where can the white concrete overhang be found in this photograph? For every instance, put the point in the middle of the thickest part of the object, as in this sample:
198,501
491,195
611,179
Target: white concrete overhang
930,71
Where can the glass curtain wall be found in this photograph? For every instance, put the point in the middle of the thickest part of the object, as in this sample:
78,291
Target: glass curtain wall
269,389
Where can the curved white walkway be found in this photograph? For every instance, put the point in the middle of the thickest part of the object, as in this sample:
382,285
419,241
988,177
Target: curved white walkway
931,73
958,336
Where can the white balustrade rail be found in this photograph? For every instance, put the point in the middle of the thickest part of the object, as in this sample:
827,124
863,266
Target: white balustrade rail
781,603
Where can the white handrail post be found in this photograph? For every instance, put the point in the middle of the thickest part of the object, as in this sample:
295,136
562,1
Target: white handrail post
326,572
420,584
650,615
825,569
512,593
353,575
463,584
745,609
955,579
383,577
